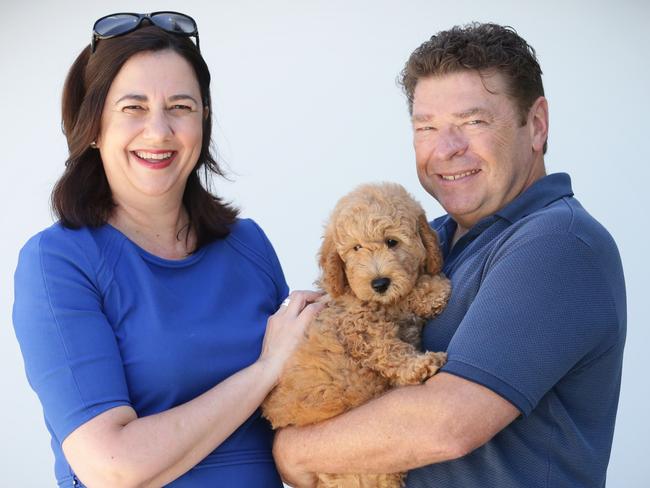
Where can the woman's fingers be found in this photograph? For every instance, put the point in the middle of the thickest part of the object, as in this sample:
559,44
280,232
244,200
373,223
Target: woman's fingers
311,310
298,300
285,329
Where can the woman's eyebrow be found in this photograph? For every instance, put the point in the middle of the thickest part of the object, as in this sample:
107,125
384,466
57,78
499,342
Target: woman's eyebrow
182,96
143,98
132,96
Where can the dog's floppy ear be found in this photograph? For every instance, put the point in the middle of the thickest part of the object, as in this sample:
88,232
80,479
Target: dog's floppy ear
429,238
333,279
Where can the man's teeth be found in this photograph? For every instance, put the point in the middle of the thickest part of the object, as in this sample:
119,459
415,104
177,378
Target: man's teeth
458,176
148,155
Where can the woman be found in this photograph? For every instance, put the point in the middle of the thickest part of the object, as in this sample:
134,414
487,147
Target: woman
142,314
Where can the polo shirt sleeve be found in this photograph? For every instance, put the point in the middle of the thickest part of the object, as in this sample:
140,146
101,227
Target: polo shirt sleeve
544,308
70,352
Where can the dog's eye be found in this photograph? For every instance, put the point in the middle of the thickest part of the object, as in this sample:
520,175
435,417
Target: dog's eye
357,247
391,242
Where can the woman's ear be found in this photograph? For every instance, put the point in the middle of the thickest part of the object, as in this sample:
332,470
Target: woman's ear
333,279
433,263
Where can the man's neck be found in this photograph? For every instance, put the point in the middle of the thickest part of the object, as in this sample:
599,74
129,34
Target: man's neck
460,232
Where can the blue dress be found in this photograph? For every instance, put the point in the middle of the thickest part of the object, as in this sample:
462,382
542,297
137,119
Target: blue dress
103,323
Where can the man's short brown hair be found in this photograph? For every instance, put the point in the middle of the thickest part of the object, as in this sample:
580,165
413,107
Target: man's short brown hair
482,47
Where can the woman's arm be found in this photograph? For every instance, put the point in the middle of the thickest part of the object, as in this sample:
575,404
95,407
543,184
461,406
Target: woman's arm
117,448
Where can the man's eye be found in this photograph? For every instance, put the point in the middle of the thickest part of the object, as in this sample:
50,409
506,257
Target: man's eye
476,122
425,128
357,247
391,242
132,108
184,108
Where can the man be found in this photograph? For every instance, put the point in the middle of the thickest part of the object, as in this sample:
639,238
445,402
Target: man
536,324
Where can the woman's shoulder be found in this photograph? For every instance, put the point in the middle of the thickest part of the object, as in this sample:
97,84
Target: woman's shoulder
249,240
85,249
54,239
59,237
246,234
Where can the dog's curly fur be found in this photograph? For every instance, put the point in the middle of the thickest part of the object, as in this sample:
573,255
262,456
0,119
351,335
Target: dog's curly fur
367,339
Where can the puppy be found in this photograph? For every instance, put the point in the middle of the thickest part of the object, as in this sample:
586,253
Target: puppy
381,266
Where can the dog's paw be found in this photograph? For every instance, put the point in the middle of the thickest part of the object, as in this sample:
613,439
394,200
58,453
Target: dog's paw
436,361
421,368
430,295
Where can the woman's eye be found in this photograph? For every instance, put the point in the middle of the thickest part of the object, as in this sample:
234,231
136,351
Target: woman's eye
475,122
357,247
132,108
425,128
185,108
391,242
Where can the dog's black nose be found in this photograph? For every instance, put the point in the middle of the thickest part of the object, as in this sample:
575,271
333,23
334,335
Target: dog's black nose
380,285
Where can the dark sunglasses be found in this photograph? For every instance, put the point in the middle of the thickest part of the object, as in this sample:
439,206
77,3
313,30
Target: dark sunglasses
115,25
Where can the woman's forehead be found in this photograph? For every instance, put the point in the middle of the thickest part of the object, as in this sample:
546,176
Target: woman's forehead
153,74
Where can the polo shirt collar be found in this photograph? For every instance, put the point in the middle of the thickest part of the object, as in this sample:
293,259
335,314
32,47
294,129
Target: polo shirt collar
540,194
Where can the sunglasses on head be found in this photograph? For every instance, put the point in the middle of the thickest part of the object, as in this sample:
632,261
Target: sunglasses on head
115,25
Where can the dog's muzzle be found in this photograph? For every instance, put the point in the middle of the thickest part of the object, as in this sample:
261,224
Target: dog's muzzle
380,285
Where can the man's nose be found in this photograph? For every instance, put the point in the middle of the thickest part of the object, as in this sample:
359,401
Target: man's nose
451,142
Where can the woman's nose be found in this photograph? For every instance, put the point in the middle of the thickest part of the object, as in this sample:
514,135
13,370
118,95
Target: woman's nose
158,126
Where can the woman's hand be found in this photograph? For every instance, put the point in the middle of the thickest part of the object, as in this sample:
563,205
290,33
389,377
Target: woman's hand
285,329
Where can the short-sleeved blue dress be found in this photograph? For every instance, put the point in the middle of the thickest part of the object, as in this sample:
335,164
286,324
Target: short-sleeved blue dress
103,323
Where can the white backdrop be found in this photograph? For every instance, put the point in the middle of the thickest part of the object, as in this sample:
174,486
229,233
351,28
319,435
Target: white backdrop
306,108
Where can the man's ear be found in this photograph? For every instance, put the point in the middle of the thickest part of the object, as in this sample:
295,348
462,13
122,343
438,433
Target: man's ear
538,123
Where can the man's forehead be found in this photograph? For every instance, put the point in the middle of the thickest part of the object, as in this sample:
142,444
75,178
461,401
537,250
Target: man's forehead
461,94
489,82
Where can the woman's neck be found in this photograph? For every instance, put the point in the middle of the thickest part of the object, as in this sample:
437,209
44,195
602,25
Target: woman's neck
164,231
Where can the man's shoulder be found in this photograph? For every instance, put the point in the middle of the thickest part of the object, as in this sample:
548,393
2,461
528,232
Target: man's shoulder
564,218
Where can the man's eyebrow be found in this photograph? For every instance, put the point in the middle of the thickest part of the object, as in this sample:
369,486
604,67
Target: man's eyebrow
421,118
470,112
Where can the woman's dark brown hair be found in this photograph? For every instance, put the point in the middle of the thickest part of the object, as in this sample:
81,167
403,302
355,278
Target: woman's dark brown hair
82,196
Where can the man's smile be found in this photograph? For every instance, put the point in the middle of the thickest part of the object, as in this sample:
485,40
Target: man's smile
458,176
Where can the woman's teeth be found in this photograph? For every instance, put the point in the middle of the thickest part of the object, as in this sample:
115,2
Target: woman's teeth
154,156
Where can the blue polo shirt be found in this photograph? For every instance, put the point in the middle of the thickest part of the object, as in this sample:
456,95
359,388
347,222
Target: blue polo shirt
537,315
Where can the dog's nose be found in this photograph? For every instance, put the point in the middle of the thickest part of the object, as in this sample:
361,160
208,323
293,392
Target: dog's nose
380,285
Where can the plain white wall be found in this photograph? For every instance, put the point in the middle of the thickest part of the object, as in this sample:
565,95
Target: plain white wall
306,108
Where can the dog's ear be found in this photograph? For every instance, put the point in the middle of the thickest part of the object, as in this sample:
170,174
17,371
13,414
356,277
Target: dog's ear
429,238
333,279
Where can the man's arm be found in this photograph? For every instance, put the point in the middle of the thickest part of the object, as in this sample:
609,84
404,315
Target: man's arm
443,419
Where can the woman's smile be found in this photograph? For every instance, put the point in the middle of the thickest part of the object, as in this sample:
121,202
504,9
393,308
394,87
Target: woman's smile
154,158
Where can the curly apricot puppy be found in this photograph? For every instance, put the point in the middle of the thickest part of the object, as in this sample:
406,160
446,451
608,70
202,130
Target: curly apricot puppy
381,267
